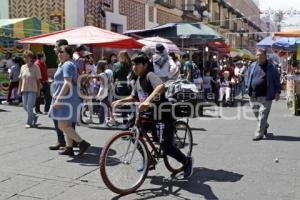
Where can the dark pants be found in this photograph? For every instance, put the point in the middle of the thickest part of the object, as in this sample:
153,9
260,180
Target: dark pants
206,92
164,130
102,110
60,134
121,92
46,92
11,86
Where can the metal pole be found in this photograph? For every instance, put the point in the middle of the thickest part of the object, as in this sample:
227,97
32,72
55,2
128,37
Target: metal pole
241,40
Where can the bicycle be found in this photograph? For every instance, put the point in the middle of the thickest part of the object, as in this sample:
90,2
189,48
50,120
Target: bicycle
138,148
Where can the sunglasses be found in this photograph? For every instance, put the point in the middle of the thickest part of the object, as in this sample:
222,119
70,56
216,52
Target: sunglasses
61,51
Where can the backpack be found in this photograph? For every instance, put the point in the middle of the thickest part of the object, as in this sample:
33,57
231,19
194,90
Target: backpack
183,92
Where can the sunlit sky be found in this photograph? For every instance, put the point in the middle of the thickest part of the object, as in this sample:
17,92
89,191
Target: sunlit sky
283,5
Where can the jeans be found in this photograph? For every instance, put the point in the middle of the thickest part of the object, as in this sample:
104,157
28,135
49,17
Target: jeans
261,108
60,134
46,91
28,104
206,92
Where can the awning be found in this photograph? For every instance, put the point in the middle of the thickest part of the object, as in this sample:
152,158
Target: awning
24,27
221,47
243,53
88,35
182,33
283,43
294,33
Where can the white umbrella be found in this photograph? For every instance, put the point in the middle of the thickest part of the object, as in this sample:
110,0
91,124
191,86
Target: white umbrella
152,41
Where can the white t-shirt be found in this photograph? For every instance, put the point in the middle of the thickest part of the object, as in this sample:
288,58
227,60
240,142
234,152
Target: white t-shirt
167,71
224,83
198,82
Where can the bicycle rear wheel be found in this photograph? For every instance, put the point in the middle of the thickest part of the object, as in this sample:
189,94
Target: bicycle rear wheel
183,140
120,160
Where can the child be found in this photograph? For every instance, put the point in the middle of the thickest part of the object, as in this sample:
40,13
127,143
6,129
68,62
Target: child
225,89
104,88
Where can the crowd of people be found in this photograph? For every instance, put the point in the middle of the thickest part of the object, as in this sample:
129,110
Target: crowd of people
121,79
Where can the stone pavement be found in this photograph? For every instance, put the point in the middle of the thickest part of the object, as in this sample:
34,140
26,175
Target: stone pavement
228,164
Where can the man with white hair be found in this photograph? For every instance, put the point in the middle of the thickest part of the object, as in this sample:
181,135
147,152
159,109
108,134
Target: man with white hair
164,66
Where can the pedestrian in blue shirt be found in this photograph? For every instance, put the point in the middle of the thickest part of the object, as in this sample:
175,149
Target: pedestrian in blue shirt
66,101
263,86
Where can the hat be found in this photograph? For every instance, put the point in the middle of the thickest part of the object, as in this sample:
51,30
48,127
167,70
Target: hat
84,50
160,47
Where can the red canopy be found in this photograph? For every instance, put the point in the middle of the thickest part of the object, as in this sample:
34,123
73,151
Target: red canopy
221,47
88,35
294,33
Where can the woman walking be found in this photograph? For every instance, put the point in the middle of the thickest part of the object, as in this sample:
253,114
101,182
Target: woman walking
66,101
29,86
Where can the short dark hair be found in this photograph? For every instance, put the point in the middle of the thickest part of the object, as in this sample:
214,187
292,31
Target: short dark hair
40,55
264,51
184,56
140,58
61,42
68,49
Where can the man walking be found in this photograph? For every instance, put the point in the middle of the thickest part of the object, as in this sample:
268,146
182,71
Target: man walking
263,86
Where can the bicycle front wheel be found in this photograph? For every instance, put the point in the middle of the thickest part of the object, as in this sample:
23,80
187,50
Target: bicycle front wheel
124,163
183,140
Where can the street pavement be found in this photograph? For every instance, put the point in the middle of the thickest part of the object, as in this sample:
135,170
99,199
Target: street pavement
228,164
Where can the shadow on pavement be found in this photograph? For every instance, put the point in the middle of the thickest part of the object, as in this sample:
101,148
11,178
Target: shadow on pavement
91,157
271,136
198,129
195,185
44,127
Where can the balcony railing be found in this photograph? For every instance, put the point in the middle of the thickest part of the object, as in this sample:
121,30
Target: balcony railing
167,3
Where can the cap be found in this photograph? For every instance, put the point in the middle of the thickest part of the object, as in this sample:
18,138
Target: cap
84,50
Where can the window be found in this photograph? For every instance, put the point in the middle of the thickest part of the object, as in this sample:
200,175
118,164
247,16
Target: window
117,28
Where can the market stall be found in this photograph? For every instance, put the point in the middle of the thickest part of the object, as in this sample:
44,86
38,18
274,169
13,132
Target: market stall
293,78
12,30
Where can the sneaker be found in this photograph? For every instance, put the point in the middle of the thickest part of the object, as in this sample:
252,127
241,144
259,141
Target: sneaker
142,166
112,123
27,126
188,169
83,146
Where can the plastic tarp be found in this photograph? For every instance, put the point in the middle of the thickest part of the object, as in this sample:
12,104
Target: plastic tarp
88,35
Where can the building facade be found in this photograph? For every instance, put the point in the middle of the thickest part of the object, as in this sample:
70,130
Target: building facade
238,20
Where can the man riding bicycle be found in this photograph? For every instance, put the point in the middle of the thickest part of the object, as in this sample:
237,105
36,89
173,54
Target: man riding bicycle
149,90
